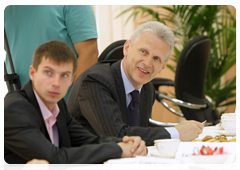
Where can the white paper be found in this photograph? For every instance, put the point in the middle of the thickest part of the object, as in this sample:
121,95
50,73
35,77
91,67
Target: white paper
152,163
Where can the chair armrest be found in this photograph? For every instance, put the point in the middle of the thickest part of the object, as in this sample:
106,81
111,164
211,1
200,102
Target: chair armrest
162,82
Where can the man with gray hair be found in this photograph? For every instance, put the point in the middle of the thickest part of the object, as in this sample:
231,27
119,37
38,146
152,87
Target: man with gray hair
116,98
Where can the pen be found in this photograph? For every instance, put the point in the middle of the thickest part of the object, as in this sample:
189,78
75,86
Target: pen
204,121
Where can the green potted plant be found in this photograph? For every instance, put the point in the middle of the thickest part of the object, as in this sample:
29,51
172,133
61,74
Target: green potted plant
214,21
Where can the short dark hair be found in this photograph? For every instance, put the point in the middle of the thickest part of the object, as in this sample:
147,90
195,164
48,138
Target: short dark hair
58,51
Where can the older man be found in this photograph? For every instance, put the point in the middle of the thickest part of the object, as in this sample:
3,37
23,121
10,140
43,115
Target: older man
116,98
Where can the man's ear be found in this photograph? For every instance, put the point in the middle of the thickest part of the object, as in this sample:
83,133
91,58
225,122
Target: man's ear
164,65
32,72
126,47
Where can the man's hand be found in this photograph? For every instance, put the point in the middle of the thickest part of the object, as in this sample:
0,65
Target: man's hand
132,146
36,164
126,149
189,130
138,147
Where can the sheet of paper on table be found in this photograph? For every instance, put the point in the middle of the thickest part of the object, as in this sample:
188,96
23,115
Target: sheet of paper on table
152,163
145,163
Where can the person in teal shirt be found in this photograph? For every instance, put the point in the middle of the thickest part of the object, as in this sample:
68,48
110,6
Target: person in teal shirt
29,26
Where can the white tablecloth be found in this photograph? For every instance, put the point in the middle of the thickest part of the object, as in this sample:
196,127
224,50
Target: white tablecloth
206,131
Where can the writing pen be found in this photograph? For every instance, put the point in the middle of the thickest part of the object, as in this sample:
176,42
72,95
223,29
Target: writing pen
204,121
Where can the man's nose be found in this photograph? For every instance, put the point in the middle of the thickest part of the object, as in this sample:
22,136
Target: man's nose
148,61
56,81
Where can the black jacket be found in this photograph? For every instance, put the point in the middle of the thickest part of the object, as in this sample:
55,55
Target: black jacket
26,136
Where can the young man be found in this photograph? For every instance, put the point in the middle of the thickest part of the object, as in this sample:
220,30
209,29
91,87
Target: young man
102,97
37,124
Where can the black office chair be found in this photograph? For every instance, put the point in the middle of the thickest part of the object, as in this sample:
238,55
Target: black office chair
113,52
189,81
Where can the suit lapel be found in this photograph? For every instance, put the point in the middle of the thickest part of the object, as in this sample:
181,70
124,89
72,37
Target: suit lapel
121,96
64,138
32,99
116,70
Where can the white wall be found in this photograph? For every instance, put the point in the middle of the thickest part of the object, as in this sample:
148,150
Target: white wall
109,27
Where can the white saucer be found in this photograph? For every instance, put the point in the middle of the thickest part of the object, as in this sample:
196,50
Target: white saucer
224,132
219,126
157,154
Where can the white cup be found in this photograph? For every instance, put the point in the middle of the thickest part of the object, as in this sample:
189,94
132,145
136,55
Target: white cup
228,116
229,125
167,147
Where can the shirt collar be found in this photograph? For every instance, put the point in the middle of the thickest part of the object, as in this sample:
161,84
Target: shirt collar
46,113
127,84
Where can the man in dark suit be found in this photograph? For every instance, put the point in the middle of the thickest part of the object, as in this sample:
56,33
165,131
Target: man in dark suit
37,124
101,96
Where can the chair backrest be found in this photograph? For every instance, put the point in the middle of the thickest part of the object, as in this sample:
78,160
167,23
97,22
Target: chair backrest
190,77
113,52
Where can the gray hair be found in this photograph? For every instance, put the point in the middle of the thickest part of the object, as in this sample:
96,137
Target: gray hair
158,29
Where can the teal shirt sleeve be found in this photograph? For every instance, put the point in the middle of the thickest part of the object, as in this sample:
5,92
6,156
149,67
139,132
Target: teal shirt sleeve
80,22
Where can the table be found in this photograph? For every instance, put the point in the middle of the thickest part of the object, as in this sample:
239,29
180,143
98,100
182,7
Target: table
211,130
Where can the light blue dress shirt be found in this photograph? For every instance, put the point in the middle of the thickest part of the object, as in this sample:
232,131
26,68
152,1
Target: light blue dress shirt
129,88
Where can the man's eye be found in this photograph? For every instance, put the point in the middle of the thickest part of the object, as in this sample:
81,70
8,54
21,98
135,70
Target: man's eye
48,73
64,75
157,58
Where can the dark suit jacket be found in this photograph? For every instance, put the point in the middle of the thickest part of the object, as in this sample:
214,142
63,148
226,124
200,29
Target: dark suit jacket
98,101
26,136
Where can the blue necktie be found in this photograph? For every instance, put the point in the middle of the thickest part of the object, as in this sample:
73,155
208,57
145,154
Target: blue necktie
133,113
